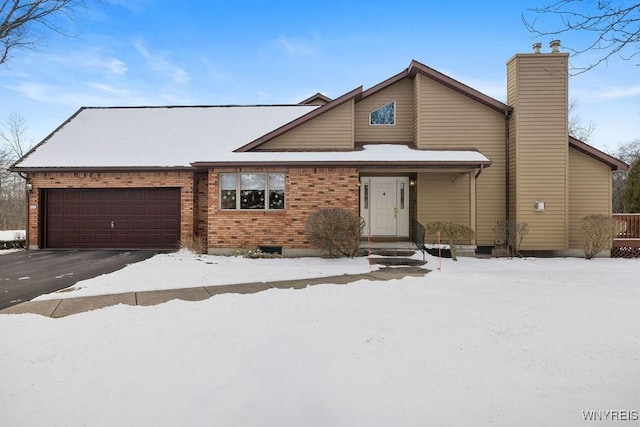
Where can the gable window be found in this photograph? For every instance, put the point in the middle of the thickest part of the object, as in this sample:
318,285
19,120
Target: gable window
252,191
385,115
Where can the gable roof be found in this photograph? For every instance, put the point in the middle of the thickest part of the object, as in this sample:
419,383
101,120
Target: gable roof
317,99
587,149
417,67
300,120
357,95
155,136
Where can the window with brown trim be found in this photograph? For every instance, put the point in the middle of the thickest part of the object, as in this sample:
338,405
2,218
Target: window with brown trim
252,191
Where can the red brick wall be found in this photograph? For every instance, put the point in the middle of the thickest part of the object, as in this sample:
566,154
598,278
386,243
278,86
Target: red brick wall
201,204
184,180
306,191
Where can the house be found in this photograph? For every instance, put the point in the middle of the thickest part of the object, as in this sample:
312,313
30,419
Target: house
417,146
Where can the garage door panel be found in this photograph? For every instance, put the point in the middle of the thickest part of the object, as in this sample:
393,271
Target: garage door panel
88,239
101,196
71,196
120,210
170,225
142,218
88,224
137,209
137,224
69,209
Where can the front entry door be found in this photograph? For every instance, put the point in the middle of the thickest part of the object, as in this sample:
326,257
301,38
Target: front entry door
385,206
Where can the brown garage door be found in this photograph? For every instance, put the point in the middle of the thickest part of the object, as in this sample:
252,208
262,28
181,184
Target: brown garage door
132,218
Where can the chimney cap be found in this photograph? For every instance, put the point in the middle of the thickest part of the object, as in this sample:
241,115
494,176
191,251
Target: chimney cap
555,46
537,47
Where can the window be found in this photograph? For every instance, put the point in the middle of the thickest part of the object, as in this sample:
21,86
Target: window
252,191
385,115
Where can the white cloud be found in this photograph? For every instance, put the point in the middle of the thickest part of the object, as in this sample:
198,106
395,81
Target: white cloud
157,61
298,46
91,59
76,96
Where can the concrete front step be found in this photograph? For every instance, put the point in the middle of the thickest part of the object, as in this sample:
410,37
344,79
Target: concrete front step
393,261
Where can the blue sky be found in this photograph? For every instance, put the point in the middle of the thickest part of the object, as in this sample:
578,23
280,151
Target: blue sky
161,52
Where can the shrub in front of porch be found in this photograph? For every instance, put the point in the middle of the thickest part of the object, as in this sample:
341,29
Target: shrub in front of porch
336,231
451,232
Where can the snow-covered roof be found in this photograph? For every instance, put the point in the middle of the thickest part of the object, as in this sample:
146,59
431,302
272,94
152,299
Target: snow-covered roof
151,137
156,136
371,154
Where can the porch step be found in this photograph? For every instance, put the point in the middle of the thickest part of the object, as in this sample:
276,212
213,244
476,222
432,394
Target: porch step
387,252
389,256
393,261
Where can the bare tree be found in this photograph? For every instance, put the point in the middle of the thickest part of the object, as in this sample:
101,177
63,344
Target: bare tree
614,27
577,128
628,153
24,23
13,145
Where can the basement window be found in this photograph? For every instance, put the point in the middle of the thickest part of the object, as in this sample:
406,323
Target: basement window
384,116
252,191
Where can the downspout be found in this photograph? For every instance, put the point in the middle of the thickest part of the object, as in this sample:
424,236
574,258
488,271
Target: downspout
506,164
26,228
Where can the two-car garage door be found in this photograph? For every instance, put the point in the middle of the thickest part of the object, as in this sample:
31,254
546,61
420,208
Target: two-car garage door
129,218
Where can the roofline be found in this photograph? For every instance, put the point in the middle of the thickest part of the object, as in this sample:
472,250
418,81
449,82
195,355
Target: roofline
300,120
417,67
612,162
104,169
470,164
13,167
136,107
318,95
384,84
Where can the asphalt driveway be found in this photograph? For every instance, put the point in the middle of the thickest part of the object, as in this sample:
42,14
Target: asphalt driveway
25,275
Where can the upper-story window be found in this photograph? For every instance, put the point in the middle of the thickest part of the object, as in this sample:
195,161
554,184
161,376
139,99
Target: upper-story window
385,115
252,191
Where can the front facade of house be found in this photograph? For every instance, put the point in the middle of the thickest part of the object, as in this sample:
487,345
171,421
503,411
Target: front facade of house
418,146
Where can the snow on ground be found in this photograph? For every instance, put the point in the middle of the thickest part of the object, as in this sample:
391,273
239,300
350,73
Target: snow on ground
8,235
185,269
483,342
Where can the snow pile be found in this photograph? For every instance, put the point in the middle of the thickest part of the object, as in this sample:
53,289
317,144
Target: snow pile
9,235
484,342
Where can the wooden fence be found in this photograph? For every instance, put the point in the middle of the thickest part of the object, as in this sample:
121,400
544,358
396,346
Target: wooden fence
627,243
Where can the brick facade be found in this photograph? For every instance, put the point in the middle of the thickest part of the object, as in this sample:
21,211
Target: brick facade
41,180
306,191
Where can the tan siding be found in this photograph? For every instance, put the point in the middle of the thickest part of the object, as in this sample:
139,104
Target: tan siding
416,102
402,131
332,130
589,192
538,92
443,197
448,119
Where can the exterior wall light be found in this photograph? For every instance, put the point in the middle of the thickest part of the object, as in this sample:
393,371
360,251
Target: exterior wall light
29,187
412,183
538,206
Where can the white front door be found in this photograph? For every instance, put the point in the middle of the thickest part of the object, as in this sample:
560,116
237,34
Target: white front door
384,205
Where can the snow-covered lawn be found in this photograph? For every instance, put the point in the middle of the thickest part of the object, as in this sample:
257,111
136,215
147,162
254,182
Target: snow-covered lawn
187,270
483,342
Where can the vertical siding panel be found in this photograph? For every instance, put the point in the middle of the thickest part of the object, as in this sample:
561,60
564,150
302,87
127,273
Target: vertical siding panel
538,91
443,197
402,131
332,130
450,120
589,192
